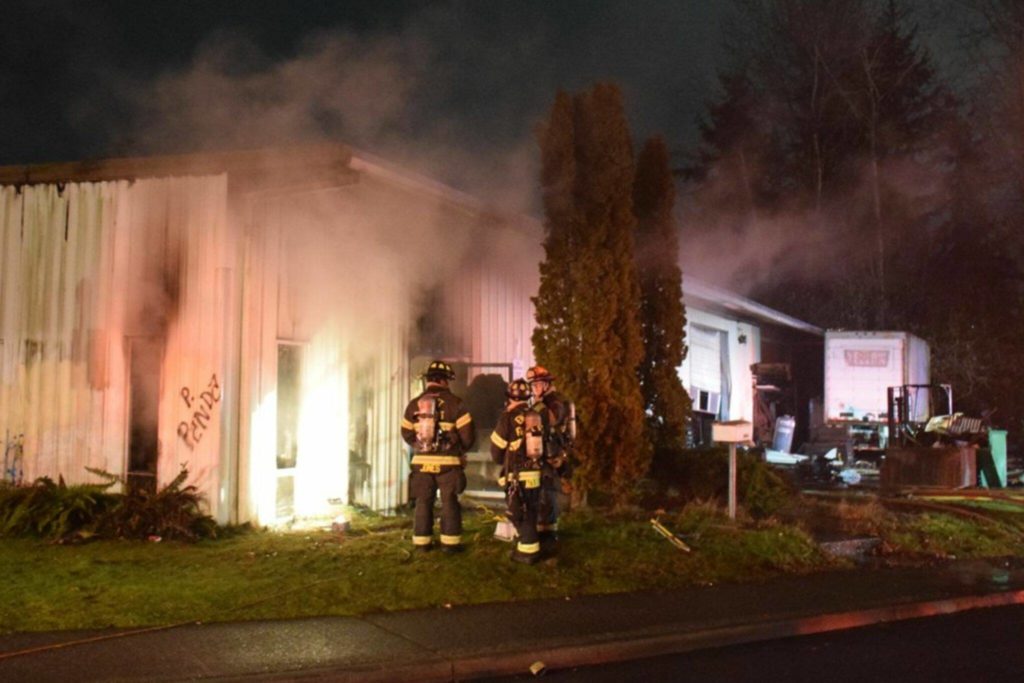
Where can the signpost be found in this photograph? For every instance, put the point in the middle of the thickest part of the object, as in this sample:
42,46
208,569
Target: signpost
732,432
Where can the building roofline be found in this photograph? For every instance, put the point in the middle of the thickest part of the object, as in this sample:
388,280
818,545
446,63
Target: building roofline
338,157
334,156
364,162
694,289
271,161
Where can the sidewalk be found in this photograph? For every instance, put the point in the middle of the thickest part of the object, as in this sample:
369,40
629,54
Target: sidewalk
495,639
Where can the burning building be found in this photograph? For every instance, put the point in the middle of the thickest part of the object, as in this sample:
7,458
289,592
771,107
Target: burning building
261,319
255,317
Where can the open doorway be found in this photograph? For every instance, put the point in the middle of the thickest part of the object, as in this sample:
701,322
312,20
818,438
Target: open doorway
483,387
145,361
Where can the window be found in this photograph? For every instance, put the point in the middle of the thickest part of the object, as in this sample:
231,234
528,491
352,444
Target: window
289,388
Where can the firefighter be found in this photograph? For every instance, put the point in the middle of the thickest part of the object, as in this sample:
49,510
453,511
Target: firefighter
517,444
440,430
556,470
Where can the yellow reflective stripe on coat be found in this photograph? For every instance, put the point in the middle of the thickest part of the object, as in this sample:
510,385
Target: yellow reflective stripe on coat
447,426
463,421
498,441
407,425
450,540
436,460
514,446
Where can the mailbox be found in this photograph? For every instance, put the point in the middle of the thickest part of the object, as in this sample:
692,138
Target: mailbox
734,431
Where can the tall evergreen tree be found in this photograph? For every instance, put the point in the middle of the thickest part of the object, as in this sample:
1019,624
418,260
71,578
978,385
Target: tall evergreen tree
557,339
974,313
663,317
588,332
841,105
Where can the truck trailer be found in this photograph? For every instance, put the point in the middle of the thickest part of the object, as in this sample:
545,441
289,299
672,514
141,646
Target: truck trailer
860,367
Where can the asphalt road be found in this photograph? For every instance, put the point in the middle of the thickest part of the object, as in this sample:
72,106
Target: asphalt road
977,645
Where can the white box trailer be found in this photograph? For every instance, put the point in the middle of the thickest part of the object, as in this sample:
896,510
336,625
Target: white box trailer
861,366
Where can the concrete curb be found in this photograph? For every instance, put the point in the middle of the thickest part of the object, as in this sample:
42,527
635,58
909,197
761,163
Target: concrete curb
625,647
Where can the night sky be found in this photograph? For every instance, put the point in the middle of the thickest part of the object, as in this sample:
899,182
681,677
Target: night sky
452,89
73,73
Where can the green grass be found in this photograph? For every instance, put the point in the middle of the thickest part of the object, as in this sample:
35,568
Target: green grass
942,535
263,575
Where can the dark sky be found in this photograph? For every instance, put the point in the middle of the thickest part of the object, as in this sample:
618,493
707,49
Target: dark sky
82,79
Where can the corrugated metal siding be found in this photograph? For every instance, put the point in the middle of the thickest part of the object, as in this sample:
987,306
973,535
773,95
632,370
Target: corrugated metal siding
84,268
499,316
507,318
198,258
488,317
90,269
286,303
389,465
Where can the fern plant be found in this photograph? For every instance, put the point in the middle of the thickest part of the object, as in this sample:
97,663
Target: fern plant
173,512
55,510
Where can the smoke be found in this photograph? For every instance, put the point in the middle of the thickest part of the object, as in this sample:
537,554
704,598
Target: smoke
746,250
362,258
400,95
232,95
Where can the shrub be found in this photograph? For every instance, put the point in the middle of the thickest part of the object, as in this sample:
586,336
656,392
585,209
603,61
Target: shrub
703,474
173,512
54,510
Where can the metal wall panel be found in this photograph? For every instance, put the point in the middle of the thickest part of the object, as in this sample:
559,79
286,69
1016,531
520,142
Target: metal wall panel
304,286
85,269
91,271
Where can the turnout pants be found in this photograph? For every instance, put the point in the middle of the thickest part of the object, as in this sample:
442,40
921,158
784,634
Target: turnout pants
547,514
424,487
523,504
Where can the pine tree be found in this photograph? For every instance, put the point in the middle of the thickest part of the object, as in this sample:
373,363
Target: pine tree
663,317
588,332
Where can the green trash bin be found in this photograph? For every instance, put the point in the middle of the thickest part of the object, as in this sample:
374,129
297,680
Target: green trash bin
992,460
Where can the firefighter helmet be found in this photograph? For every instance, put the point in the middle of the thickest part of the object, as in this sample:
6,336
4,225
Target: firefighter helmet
439,370
518,390
538,373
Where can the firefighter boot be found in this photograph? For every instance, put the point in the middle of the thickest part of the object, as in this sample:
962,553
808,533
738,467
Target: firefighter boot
524,558
548,540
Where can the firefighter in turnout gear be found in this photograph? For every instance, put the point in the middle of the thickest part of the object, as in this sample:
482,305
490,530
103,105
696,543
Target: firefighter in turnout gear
556,471
440,430
517,444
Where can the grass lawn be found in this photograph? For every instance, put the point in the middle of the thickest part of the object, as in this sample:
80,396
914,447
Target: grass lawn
265,575
259,575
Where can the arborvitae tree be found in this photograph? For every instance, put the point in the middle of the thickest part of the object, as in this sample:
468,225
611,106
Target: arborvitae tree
663,317
557,339
588,332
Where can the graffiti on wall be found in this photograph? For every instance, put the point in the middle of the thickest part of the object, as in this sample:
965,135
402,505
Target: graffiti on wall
14,457
202,408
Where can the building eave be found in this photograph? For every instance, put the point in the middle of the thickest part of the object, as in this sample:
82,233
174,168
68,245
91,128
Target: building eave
696,292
